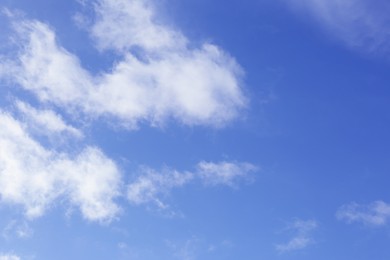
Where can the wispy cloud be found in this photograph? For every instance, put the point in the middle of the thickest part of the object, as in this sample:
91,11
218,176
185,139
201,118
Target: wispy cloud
46,122
302,236
376,214
184,250
224,173
361,24
19,229
152,185
9,257
156,78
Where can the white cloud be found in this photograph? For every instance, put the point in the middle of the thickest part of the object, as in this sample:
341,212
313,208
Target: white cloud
165,80
34,177
46,68
224,173
123,24
9,257
159,75
152,185
374,214
46,122
302,236
361,24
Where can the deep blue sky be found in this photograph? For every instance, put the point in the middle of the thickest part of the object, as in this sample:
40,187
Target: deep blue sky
298,170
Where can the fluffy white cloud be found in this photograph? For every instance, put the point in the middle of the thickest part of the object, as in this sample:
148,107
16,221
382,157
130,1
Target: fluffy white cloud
374,214
159,75
124,24
35,177
46,68
165,79
361,24
302,236
152,185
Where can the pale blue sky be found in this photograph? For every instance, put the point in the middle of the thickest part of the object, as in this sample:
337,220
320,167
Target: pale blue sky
144,129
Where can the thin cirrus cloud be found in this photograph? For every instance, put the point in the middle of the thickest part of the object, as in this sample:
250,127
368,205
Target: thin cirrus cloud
166,80
302,236
360,24
375,214
151,185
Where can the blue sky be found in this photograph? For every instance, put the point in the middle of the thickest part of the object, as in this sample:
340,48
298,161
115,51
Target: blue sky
144,129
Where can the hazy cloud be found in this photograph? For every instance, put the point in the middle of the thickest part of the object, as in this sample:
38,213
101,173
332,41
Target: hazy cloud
9,257
224,173
19,229
373,214
151,185
302,238
361,24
